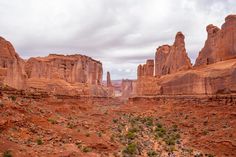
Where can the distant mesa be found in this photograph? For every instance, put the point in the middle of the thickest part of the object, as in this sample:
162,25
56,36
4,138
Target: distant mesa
60,74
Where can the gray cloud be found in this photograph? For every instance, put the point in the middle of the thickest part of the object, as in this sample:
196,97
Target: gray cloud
121,34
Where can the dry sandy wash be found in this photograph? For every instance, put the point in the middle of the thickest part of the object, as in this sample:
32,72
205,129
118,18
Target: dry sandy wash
59,105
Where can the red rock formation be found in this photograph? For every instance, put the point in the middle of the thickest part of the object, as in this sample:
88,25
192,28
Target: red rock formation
217,78
220,44
146,70
58,74
110,87
128,88
109,84
11,66
170,59
139,71
70,68
71,74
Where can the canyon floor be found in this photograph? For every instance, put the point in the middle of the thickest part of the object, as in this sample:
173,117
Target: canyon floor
110,127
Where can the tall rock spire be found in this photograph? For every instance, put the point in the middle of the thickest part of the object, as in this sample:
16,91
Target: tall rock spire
170,59
220,44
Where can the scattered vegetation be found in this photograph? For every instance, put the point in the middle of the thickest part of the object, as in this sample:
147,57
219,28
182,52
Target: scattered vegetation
138,134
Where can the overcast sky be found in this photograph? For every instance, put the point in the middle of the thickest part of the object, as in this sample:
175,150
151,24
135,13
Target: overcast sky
119,33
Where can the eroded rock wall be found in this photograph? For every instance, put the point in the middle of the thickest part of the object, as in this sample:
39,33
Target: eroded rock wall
220,44
213,73
70,68
128,88
170,59
11,66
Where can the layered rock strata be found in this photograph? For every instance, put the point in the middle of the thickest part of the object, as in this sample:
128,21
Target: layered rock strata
220,44
213,73
170,59
11,66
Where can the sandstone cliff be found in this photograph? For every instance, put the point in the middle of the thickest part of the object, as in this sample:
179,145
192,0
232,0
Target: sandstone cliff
217,78
11,66
128,88
146,70
216,75
170,59
57,74
220,44
70,68
70,74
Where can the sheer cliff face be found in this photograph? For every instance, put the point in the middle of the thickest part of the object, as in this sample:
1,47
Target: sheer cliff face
146,70
220,44
59,74
71,68
128,88
170,59
11,66
218,78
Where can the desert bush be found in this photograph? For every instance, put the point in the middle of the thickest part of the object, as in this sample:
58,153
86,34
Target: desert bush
7,153
115,120
130,149
39,141
152,153
12,97
130,135
86,149
53,121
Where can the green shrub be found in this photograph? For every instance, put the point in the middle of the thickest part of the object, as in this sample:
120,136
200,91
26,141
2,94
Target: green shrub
130,149
115,120
161,132
169,141
86,149
99,134
159,125
152,153
7,153
52,121
70,125
12,97
130,135
209,155
39,141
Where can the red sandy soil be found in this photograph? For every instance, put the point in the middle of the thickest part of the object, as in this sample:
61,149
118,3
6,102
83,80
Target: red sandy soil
88,127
